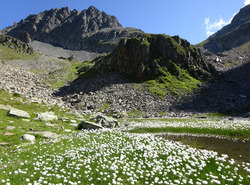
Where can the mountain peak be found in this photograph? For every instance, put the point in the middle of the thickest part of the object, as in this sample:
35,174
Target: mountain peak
92,9
62,27
242,16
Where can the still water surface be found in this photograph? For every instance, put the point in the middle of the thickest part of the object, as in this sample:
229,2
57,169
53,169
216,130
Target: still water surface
236,149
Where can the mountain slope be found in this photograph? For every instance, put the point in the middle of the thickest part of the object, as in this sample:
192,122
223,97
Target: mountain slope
90,30
144,74
232,35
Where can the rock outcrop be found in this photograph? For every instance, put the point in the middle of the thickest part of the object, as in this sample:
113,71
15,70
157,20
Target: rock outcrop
145,74
16,44
149,56
232,35
90,30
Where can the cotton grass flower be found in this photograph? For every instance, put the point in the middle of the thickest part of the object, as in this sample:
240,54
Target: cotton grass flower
113,157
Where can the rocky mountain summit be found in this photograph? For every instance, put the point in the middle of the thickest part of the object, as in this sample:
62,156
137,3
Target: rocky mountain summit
232,35
89,30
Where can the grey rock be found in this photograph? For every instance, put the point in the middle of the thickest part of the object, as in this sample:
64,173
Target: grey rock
50,125
89,125
106,122
45,134
49,135
10,127
47,116
18,113
28,137
5,107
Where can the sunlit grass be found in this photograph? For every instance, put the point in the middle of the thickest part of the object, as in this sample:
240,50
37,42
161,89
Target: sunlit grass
112,157
7,53
22,126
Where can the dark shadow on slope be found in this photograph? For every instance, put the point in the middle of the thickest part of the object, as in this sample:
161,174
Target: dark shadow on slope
92,84
228,94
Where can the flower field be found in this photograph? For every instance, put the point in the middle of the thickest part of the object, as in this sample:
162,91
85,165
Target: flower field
230,128
114,157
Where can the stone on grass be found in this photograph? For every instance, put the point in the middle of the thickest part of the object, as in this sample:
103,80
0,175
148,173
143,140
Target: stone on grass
89,125
45,134
49,135
8,134
5,107
10,127
18,113
50,125
106,122
67,130
47,116
28,137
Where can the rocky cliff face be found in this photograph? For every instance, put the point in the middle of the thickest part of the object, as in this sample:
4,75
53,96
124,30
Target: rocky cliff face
16,44
149,56
73,30
232,35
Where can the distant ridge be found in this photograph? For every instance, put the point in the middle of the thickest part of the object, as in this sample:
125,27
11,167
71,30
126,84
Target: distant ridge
232,35
89,30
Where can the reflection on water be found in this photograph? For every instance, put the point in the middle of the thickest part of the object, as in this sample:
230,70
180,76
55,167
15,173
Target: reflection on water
236,149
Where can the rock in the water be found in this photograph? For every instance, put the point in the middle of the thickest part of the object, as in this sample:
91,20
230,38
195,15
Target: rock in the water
28,137
107,122
18,113
89,125
47,116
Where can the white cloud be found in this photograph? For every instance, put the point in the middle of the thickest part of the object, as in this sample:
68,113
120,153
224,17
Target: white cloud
212,27
247,2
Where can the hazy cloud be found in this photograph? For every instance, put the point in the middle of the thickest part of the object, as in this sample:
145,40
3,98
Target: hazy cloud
247,2
212,27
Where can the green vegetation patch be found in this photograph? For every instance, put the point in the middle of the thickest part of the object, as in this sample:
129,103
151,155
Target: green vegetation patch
7,53
176,84
64,75
22,126
222,132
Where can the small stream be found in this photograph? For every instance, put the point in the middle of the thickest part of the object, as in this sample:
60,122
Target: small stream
236,149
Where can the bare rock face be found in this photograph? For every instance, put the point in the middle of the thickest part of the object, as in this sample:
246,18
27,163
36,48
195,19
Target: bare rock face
147,56
16,44
73,30
232,35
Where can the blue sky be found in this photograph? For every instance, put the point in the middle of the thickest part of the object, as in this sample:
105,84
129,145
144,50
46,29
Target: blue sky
193,20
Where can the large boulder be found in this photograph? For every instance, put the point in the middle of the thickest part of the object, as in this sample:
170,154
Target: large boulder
106,122
28,137
47,116
89,125
18,113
